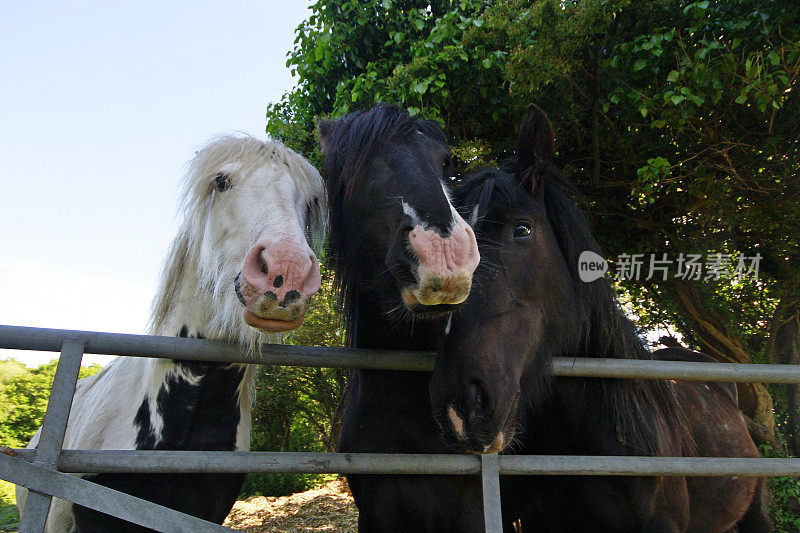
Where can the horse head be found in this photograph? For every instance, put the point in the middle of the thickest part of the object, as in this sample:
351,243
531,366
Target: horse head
249,207
523,307
386,175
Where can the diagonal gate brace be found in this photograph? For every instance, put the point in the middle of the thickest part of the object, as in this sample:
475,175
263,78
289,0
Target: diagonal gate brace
103,499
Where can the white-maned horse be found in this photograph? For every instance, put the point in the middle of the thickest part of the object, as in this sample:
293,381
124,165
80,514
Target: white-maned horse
241,260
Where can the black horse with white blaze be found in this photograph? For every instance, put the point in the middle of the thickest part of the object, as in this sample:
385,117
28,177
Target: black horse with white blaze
403,258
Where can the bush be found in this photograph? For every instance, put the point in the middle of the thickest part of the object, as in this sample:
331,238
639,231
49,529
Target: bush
277,426
784,504
784,509
24,393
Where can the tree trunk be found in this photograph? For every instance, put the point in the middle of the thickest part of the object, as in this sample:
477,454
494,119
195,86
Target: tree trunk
338,412
709,329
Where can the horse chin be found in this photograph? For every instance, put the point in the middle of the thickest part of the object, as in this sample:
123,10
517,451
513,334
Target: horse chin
419,310
501,441
271,325
478,447
498,444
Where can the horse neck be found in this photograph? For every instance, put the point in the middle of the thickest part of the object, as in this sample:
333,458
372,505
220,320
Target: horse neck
373,329
621,416
190,319
370,328
194,404
365,288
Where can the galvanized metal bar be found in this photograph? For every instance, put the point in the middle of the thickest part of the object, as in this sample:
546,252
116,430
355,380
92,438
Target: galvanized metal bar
24,338
102,498
571,465
490,466
490,481
144,461
168,462
51,438
34,515
679,370
59,406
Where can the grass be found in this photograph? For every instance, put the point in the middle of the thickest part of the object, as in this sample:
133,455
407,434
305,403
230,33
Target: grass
8,505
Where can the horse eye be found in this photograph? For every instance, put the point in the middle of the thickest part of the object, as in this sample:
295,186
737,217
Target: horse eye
222,182
522,229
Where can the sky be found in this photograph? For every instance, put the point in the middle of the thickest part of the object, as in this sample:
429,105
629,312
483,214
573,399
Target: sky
101,106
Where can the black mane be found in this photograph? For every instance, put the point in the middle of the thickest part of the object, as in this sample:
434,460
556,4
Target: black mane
600,328
349,143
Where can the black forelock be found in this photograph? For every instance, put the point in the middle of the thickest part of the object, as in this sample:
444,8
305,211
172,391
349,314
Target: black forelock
503,189
351,141
484,187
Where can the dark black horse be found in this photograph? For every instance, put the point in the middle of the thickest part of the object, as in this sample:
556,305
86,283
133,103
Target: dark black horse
491,389
403,258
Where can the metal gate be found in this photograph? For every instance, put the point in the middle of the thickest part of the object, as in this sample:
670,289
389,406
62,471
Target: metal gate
45,470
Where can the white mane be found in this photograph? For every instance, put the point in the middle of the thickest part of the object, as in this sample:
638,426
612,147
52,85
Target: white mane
184,279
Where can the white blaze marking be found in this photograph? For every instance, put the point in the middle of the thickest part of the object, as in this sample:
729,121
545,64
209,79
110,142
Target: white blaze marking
473,218
417,221
454,214
447,194
408,210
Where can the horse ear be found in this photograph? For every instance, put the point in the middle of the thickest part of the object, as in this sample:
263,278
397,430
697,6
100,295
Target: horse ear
535,145
324,130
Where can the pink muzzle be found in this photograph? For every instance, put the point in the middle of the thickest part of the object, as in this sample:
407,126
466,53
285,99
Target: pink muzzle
446,265
276,283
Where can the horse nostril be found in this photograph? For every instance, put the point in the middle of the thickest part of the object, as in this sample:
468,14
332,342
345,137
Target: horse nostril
472,395
270,296
477,400
237,286
291,296
278,281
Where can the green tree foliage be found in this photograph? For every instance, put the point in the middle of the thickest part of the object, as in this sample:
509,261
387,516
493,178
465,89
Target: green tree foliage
784,505
23,399
676,119
351,54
